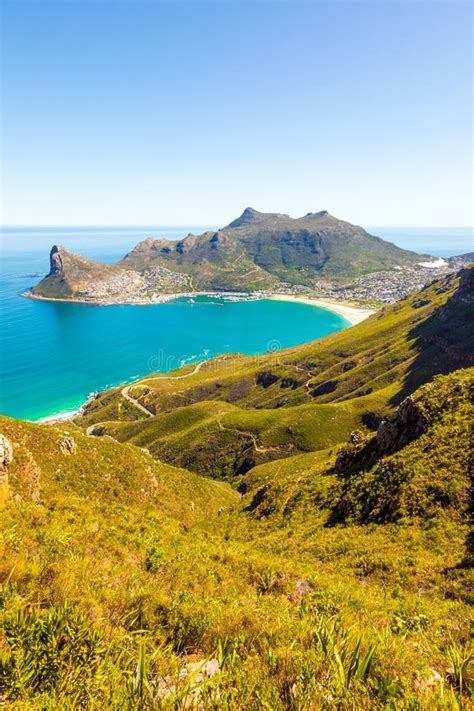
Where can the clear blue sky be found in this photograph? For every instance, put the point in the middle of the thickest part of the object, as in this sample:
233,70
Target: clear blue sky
187,112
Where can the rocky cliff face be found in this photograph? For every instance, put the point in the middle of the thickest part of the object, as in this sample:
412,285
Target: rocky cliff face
465,291
393,433
56,266
6,456
75,277
419,464
406,425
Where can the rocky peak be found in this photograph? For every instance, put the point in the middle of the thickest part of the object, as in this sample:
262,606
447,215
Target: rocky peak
250,216
317,215
147,244
56,264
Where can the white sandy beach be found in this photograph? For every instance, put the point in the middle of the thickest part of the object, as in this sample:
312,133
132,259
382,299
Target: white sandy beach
353,314
58,417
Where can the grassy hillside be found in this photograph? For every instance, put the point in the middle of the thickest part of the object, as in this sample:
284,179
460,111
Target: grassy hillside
236,412
213,261
240,438
131,584
335,573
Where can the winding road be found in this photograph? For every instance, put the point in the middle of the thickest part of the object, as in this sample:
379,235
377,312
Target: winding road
126,390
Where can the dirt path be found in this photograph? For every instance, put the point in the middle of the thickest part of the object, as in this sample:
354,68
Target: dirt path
126,390
253,437
135,402
197,368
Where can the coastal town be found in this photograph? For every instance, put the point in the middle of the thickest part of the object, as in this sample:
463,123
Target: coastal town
383,287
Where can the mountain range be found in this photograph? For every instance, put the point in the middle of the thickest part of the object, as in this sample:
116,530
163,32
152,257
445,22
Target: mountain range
256,251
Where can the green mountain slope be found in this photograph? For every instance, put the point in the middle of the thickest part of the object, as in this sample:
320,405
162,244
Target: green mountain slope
256,251
63,459
417,465
336,573
130,584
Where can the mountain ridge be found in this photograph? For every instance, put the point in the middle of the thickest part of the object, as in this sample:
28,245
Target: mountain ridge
256,251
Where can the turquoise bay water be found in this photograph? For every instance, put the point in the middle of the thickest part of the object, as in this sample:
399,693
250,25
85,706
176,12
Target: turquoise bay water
52,355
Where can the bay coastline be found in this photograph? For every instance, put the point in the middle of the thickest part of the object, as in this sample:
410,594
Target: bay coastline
353,313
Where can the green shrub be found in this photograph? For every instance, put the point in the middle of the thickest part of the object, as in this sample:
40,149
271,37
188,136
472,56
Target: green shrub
53,650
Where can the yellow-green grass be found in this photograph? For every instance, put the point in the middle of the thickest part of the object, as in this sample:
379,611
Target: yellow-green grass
339,578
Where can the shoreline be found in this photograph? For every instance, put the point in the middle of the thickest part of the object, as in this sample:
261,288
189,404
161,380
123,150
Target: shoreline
59,417
162,299
352,314
66,415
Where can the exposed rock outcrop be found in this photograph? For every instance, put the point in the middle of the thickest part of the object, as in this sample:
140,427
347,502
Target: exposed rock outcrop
21,476
56,266
192,675
6,453
6,458
354,453
266,378
67,445
392,434
400,429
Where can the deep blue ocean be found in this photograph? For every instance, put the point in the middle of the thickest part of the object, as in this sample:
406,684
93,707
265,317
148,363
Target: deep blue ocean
53,355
